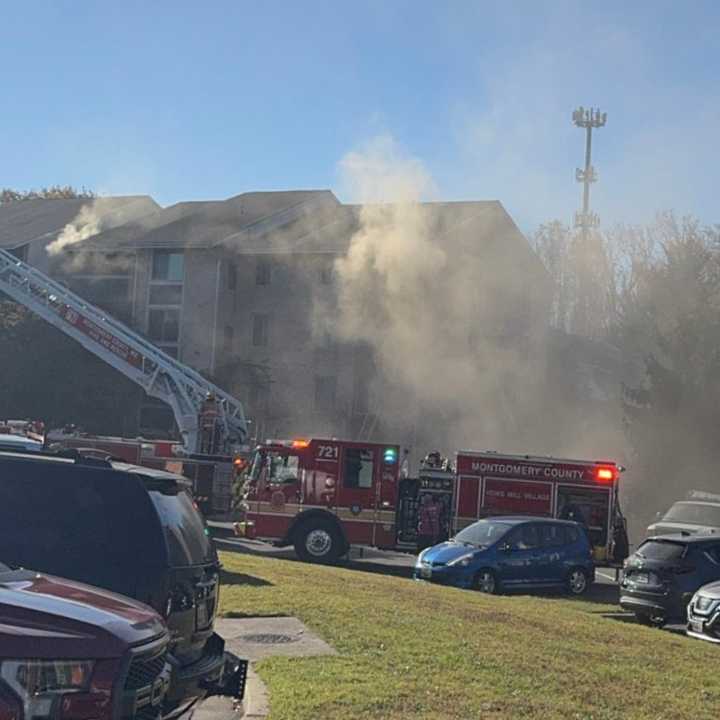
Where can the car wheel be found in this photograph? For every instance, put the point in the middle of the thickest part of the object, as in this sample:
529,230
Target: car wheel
486,581
578,581
318,542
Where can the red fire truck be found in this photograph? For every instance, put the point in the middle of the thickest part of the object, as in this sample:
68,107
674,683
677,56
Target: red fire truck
323,495
211,475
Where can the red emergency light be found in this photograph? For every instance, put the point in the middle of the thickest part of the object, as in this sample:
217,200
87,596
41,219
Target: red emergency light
605,474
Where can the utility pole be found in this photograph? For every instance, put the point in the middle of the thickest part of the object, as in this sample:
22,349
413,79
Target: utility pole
585,220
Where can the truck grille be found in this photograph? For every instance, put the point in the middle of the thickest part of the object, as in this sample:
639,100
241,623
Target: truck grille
144,670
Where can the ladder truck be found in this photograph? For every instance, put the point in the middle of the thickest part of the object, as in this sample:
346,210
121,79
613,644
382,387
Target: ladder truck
210,421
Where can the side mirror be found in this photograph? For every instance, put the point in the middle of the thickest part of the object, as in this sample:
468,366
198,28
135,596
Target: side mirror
505,547
658,515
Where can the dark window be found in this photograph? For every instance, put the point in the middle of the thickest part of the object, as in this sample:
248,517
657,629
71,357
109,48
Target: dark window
326,274
21,253
262,272
184,528
231,276
661,550
260,330
165,294
325,393
258,397
168,265
228,337
526,537
713,554
164,325
552,535
358,468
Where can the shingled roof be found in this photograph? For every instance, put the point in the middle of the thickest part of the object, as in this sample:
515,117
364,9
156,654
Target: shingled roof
27,221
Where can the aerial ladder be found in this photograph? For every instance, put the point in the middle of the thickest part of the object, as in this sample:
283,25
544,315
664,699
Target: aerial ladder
185,390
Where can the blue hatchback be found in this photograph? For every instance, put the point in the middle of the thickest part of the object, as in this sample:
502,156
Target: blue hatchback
512,553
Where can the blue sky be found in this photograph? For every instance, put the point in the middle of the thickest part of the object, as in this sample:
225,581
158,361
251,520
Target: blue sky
188,100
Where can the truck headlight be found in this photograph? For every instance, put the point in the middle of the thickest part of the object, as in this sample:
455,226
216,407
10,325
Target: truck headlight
39,684
462,561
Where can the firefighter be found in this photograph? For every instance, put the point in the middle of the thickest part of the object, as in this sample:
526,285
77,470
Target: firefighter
428,522
208,422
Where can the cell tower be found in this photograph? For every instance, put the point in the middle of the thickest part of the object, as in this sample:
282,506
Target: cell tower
587,119
588,253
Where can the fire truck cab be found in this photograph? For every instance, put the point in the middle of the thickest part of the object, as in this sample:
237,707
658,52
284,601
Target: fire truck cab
322,495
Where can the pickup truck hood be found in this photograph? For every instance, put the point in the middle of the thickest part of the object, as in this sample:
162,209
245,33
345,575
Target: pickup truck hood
47,617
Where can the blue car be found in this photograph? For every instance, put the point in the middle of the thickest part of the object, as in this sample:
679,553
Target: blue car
512,553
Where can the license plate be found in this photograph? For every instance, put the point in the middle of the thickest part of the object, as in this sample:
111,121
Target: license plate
696,626
642,578
425,572
203,616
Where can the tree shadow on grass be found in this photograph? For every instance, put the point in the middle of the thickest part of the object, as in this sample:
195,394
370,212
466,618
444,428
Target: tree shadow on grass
228,577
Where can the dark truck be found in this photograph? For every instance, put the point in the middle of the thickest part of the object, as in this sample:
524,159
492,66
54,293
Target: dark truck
73,651
131,530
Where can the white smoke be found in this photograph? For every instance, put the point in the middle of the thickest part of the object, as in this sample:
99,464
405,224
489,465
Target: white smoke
85,224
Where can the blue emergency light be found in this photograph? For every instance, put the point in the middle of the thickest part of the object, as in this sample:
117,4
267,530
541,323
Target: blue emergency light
390,456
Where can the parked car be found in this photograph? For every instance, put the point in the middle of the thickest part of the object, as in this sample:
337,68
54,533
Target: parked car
699,513
80,651
19,443
512,553
703,613
660,578
131,530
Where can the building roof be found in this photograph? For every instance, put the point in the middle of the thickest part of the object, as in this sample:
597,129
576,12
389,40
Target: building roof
212,223
25,221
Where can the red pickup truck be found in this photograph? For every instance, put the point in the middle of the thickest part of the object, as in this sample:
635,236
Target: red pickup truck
69,650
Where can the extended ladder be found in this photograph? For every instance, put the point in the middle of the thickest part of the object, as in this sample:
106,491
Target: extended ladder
160,375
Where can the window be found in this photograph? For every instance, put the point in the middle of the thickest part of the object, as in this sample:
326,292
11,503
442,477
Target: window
661,550
326,274
164,325
552,535
231,277
283,468
165,294
325,393
526,537
260,330
168,266
358,468
228,337
259,397
483,533
21,253
262,272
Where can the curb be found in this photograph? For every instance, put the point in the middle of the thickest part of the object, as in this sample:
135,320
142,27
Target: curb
256,703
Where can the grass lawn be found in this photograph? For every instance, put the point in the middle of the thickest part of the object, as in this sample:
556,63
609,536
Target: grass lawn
414,650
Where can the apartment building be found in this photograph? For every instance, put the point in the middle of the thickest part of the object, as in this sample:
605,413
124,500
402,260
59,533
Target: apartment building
243,289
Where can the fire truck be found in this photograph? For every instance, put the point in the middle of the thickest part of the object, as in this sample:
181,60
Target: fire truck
324,495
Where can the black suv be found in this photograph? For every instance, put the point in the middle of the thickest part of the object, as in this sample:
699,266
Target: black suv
661,576
132,530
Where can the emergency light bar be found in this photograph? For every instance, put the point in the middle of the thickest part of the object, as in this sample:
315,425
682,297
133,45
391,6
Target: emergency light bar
605,474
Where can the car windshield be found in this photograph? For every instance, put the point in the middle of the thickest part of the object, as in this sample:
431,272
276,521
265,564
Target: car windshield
482,533
661,550
694,513
188,543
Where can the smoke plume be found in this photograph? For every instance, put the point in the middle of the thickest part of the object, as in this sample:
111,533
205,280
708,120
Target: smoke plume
85,224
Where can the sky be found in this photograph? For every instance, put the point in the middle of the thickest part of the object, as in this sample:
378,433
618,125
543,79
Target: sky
186,100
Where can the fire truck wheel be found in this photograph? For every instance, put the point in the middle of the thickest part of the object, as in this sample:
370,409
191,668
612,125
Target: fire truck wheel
485,581
578,582
318,541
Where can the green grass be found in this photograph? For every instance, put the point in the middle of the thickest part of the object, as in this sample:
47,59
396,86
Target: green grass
414,650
